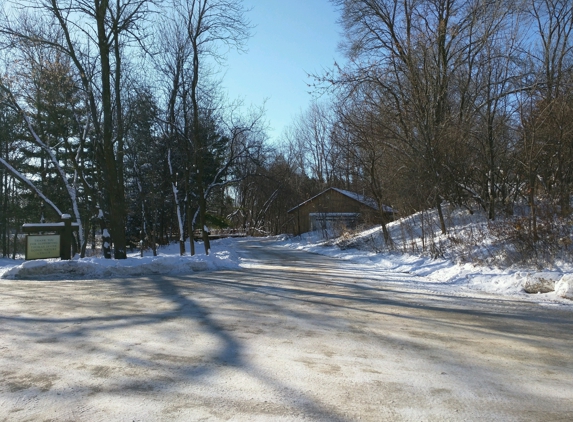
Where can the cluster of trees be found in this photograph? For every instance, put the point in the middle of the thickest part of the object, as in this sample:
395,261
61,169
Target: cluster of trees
464,101
111,111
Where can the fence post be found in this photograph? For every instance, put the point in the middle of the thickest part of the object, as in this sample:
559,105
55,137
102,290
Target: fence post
66,237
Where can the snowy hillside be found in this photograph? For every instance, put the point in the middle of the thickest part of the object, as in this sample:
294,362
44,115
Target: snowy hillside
474,254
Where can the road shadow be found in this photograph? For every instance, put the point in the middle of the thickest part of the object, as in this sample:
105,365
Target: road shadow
198,336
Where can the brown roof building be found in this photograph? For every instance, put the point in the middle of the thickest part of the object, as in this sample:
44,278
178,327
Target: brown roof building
336,209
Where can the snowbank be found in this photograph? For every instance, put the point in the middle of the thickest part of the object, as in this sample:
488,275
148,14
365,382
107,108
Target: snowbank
167,262
439,273
564,287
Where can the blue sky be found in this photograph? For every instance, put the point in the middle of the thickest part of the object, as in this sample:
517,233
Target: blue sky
291,38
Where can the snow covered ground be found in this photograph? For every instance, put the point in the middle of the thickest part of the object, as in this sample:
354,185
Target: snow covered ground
262,342
167,262
362,251
472,258
437,274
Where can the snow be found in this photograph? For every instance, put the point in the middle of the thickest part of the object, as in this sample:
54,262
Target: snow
357,197
334,214
266,345
44,225
41,225
441,274
167,261
564,287
364,199
447,275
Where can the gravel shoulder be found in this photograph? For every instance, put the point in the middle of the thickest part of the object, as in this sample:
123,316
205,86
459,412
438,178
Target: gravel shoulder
293,336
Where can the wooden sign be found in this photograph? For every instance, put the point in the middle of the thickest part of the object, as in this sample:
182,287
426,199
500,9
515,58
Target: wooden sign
45,248
42,246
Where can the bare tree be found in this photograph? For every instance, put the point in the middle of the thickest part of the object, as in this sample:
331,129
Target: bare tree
552,109
174,65
311,135
93,35
363,134
209,28
413,54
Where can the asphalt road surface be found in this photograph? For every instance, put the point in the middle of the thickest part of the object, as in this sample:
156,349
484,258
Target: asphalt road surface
292,337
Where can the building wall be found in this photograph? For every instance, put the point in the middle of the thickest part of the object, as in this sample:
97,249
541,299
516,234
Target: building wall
332,202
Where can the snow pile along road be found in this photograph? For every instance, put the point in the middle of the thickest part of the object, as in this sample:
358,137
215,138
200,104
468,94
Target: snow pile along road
443,274
168,261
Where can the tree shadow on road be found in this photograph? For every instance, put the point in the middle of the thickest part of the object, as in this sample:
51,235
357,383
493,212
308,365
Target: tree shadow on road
196,336
139,337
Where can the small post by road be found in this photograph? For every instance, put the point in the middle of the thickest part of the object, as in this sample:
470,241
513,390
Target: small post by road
66,238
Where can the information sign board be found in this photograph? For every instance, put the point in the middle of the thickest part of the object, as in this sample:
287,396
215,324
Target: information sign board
42,246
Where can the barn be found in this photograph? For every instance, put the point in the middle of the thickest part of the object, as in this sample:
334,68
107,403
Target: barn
335,209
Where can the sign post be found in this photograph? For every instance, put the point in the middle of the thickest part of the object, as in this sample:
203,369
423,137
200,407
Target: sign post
66,242
40,246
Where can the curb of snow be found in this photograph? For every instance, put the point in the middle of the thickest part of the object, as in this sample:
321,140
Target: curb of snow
98,268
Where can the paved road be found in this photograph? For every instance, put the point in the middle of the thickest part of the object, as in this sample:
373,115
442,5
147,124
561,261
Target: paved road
292,337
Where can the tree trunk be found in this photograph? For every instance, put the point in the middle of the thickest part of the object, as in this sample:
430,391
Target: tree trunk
199,150
533,208
441,214
105,236
114,185
15,239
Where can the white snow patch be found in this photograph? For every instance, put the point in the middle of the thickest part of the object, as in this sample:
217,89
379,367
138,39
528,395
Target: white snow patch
167,262
437,274
564,287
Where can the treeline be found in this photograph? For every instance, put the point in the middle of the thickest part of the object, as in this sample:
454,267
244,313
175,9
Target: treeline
112,112
466,102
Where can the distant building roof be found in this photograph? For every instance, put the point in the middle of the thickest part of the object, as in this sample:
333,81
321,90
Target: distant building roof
369,202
